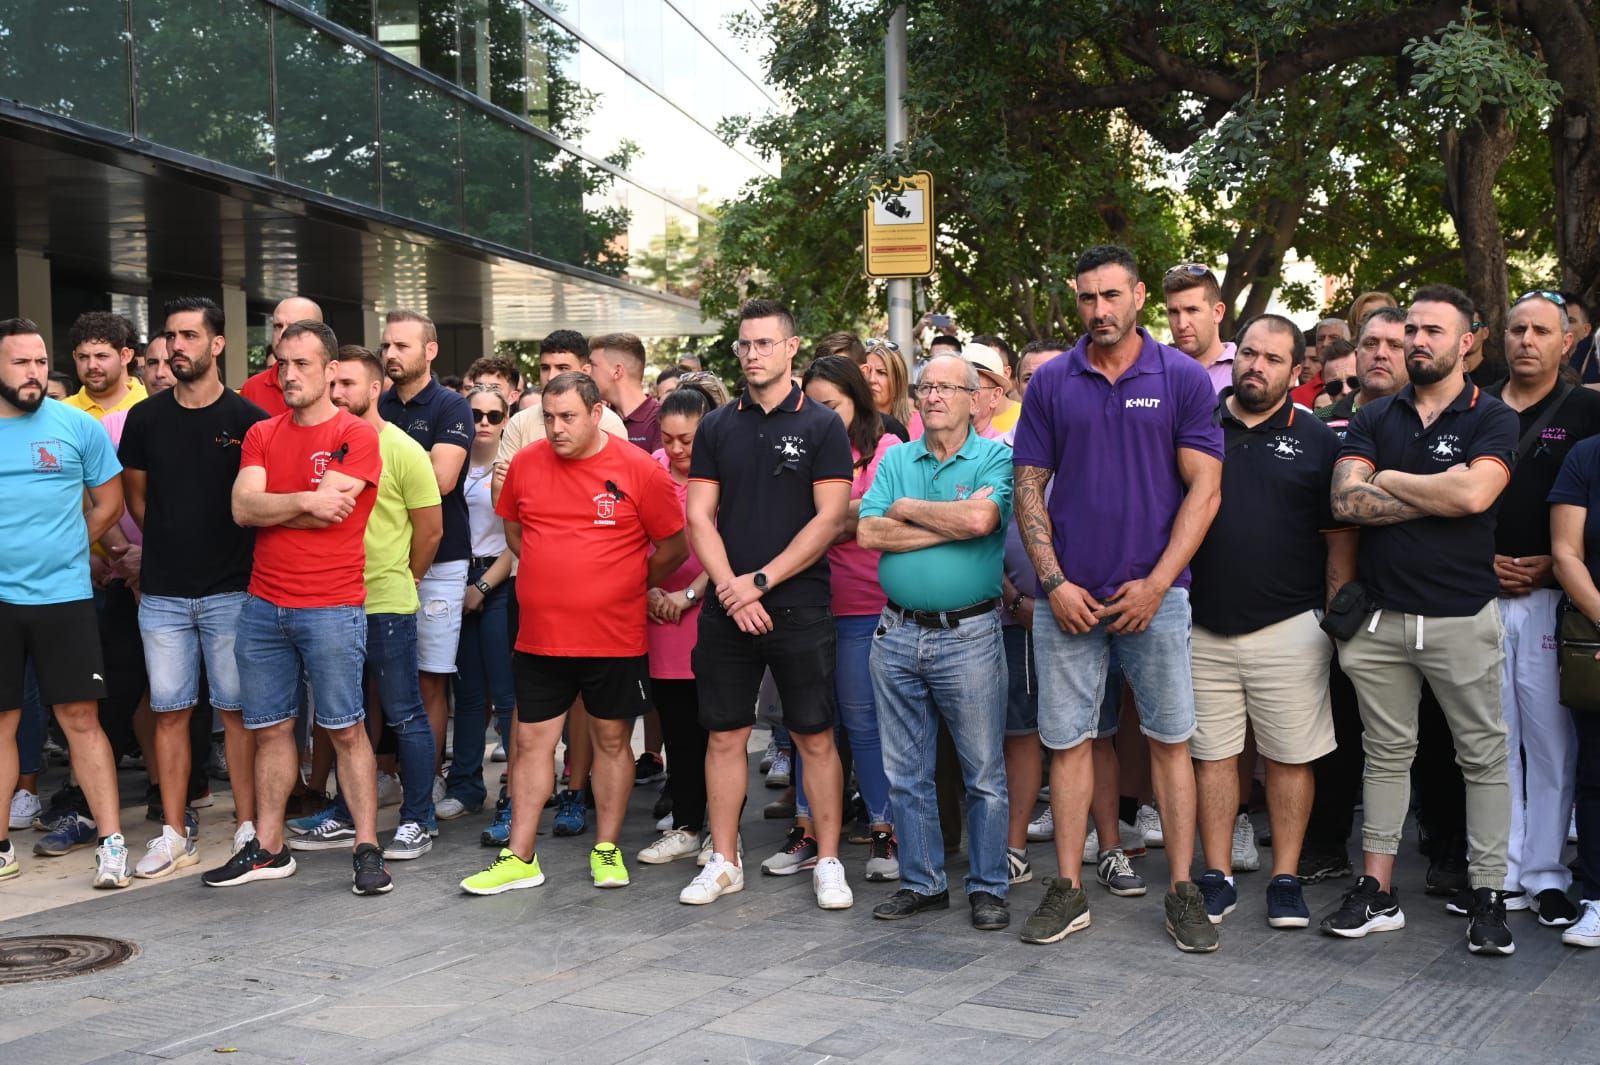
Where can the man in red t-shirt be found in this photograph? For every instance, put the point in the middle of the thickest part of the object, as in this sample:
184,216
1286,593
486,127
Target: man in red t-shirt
263,389
582,512
307,482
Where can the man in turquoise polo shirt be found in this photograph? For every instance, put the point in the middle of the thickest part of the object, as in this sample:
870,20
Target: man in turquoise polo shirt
937,511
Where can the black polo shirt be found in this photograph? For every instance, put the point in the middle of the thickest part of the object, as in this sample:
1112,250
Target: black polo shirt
1523,525
437,415
766,464
1436,567
1264,558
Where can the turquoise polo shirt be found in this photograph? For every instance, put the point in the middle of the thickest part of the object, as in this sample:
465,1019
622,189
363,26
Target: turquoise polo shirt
951,575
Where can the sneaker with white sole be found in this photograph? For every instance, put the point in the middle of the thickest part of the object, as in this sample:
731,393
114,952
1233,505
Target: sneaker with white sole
799,853
883,859
768,755
438,789
1043,827
499,754
828,882
25,806
411,840
1148,821
781,775
299,826
111,862
719,877
1246,859
390,791
706,852
165,854
664,822
1586,933
1018,869
1130,842
333,834
8,860
449,808
1116,874
676,844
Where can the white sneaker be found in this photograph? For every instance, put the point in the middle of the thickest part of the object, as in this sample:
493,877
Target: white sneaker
166,853
25,806
1149,825
448,809
8,863
768,755
499,754
438,789
677,843
827,880
1042,827
111,862
389,790
1586,933
242,835
1246,859
705,851
781,775
665,824
720,877
1128,836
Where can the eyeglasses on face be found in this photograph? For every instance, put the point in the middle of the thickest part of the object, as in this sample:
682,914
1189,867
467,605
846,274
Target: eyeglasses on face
1337,387
762,346
493,417
943,391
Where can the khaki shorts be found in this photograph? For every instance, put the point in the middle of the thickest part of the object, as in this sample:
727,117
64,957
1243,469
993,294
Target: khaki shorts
1277,677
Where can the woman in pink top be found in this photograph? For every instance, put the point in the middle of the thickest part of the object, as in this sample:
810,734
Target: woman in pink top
837,383
674,616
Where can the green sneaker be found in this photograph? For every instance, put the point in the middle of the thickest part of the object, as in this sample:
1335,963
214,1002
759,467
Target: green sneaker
1187,922
605,865
506,873
1063,910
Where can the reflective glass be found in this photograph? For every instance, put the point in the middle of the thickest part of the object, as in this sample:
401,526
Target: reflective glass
641,47
422,32
495,180
70,58
327,112
351,14
421,151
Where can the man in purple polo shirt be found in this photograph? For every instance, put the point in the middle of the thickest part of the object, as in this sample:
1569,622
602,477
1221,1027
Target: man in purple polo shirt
1124,427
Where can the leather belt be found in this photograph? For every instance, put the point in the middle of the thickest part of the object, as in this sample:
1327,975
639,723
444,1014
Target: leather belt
484,561
943,619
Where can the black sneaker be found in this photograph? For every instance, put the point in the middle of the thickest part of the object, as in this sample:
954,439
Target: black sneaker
1487,932
1555,910
251,862
1446,875
989,911
1461,903
371,877
907,903
1317,866
648,768
1063,910
1365,909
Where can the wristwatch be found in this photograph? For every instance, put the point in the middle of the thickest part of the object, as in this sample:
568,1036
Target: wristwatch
761,580
688,593
483,586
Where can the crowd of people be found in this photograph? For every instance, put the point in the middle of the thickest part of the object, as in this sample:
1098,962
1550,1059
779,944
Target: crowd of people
1140,582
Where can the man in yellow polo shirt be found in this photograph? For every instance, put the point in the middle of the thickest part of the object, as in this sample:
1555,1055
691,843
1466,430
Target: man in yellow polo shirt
102,348
402,534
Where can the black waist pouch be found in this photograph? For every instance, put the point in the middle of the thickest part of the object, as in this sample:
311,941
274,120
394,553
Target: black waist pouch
1350,607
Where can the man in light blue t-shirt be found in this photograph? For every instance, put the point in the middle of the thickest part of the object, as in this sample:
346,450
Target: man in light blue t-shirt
51,455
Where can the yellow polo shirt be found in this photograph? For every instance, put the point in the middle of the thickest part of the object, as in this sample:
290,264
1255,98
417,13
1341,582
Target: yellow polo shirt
86,403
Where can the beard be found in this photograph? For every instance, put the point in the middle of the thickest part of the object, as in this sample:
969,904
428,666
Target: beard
13,396
1433,371
357,407
191,369
1255,396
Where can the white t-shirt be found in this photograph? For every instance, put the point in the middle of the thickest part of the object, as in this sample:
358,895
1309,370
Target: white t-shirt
488,531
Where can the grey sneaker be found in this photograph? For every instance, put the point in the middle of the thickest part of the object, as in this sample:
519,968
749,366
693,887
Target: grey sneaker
411,840
883,861
1116,874
799,852
111,862
1063,910
1018,869
332,835
1187,922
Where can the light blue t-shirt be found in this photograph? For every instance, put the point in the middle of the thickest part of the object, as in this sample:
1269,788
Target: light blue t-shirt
47,459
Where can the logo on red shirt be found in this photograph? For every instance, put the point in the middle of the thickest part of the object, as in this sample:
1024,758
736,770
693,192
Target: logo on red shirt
45,456
605,509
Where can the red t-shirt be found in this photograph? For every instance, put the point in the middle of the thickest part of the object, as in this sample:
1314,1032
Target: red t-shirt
1306,394
313,567
264,391
587,526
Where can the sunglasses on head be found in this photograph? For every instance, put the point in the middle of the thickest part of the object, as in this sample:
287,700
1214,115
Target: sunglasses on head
1190,269
880,342
1541,294
1337,388
493,417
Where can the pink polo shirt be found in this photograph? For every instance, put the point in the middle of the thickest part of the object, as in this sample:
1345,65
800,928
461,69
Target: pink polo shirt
671,645
854,569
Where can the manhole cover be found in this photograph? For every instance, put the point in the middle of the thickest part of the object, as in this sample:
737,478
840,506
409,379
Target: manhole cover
24,959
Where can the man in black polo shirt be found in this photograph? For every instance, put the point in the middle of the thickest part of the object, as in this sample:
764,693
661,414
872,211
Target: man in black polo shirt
769,491
1423,471
441,421
1272,558
1554,417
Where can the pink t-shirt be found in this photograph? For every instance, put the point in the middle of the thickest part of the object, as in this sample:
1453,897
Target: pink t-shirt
854,569
914,426
113,424
671,645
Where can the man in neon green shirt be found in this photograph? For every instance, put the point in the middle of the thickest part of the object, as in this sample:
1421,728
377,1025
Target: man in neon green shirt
402,534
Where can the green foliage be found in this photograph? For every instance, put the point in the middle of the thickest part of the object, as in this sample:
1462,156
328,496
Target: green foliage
1468,68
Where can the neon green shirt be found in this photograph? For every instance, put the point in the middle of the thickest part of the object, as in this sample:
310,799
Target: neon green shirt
407,484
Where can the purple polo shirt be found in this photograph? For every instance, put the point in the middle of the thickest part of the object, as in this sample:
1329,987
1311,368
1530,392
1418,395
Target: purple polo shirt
1114,448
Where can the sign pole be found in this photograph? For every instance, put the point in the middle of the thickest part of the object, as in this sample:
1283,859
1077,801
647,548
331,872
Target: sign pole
894,126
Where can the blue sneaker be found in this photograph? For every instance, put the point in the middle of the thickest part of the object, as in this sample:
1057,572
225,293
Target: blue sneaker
1221,896
1286,904
572,816
301,826
67,834
498,834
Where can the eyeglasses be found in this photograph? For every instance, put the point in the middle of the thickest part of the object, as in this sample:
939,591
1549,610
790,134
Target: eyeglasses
762,346
880,342
1338,388
493,417
1541,294
943,391
1191,269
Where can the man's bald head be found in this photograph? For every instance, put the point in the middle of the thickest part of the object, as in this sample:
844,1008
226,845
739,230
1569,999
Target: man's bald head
292,310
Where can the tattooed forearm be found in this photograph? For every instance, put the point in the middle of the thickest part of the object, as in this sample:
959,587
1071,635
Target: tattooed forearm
1356,499
1033,524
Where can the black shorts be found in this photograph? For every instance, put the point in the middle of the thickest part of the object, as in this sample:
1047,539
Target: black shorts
63,640
612,688
728,666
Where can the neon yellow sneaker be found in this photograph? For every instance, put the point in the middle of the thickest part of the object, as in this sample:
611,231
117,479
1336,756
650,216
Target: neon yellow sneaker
605,865
506,873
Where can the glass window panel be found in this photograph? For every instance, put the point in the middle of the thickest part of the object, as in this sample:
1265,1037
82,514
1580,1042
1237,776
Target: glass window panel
421,151
494,180
422,32
204,79
351,14
642,39
600,21
327,112
70,58
557,98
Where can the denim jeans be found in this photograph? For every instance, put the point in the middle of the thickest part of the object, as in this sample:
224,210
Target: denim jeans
920,675
858,719
392,664
185,638
483,678
276,644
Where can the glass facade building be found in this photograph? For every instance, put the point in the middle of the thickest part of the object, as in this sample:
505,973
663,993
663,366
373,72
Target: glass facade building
513,166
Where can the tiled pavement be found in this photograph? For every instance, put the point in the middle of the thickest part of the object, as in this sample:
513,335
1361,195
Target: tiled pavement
303,971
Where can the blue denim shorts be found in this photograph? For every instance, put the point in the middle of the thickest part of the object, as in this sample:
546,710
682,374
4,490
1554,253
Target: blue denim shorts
1022,688
276,643
1073,676
182,634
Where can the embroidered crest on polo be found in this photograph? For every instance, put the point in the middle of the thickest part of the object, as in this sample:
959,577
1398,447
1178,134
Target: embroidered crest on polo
1446,449
605,508
791,447
1286,448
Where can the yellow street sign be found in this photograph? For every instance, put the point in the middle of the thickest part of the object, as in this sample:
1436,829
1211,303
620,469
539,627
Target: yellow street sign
898,228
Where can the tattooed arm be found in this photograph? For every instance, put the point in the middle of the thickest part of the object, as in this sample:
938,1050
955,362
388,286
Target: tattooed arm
1072,607
1357,499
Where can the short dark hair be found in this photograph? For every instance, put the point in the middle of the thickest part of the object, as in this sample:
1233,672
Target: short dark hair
762,308
495,364
947,340
216,322
1278,324
668,374
1047,344
573,381
1179,279
568,340
626,343
1338,348
329,342
450,382
1383,312
1575,299
999,344
18,327
101,325
1107,255
430,332
690,400
848,344
357,353
1451,295
64,380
